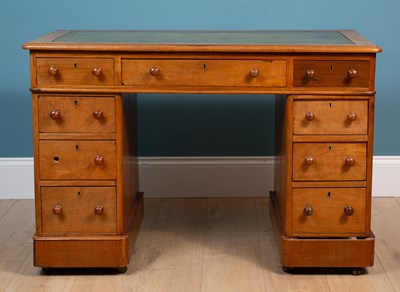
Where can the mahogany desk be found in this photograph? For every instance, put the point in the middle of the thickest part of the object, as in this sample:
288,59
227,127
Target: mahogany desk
84,84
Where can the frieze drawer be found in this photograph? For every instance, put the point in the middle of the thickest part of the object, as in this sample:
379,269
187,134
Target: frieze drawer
221,73
323,73
74,71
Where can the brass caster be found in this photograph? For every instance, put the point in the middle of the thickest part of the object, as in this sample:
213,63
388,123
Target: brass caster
288,269
122,270
46,270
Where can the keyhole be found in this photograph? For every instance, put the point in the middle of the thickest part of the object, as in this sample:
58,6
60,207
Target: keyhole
75,65
330,104
330,147
329,194
76,147
76,103
204,66
56,159
331,68
78,194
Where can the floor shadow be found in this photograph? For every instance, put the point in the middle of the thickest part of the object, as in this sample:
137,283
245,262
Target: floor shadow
81,271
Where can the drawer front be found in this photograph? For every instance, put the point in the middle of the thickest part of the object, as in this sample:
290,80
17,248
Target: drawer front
330,117
219,73
329,161
76,114
336,211
317,73
74,71
59,159
78,209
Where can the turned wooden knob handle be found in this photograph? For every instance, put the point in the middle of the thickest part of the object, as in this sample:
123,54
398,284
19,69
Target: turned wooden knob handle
351,116
352,73
348,210
99,160
55,114
308,210
53,71
254,72
97,71
154,71
98,115
309,160
310,73
98,210
310,116
350,160
57,209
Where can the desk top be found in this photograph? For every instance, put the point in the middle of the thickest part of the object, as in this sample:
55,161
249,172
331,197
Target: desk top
211,41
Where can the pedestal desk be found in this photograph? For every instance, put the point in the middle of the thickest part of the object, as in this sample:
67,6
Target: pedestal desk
84,85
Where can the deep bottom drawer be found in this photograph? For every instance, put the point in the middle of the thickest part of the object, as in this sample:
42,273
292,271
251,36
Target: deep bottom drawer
78,210
329,212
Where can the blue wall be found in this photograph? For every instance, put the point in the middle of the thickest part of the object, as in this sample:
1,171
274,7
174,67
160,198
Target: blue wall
195,125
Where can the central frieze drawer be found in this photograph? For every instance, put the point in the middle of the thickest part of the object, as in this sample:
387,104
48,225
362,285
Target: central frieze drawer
329,211
348,117
68,114
78,209
329,161
218,73
75,71
60,159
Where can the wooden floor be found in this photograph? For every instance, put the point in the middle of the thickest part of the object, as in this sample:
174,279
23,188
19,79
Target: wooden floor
198,245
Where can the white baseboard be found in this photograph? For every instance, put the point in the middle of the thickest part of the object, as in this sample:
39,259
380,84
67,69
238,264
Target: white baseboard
16,178
386,176
198,176
206,176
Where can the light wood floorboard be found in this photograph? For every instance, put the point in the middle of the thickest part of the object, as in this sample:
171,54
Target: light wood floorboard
198,245
386,224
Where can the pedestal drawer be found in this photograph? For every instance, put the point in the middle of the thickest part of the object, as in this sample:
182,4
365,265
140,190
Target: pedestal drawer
221,73
329,161
59,159
330,117
329,212
69,114
75,71
78,209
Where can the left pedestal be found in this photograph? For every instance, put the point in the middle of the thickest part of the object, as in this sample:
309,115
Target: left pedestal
87,200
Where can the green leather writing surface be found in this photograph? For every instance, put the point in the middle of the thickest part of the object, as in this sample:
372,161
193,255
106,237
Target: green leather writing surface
206,37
